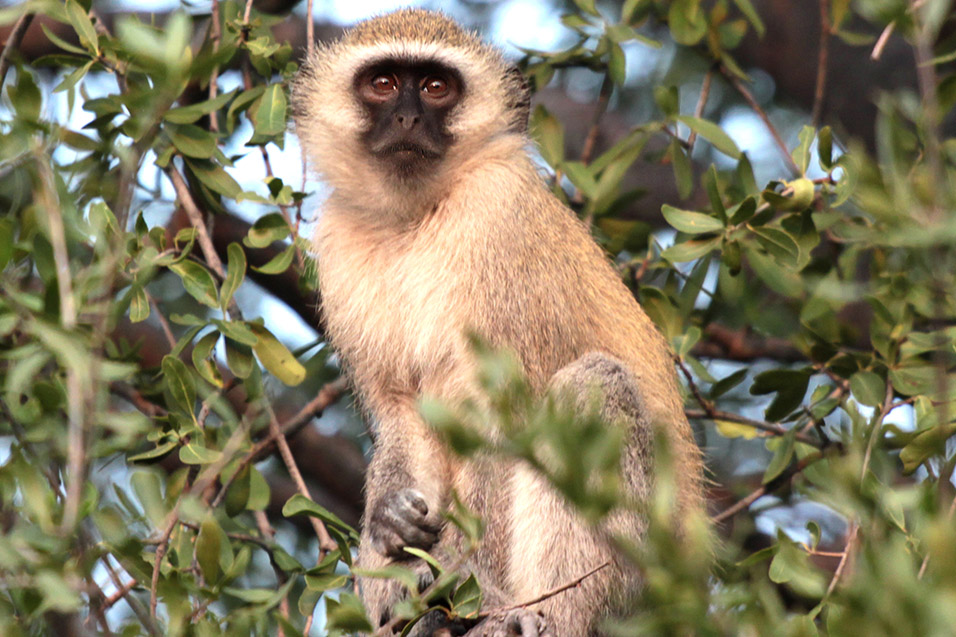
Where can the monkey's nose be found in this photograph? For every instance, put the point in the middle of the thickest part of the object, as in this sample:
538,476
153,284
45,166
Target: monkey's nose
407,121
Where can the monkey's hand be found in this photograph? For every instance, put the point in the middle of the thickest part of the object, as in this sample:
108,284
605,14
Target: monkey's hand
513,623
401,519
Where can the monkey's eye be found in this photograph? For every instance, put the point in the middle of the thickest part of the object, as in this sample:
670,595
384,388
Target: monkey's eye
435,86
384,84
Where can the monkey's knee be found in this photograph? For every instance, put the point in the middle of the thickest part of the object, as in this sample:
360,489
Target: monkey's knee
600,381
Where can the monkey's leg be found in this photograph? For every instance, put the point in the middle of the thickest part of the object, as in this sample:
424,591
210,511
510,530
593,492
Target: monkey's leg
551,545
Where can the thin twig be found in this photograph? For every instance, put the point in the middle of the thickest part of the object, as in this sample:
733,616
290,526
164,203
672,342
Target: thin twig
764,489
769,427
762,114
326,543
326,396
161,548
123,591
262,521
699,109
844,559
135,398
163,323
215,34
822,60
196,219
709,411
77,386
551,593
928,87
587,149
13,42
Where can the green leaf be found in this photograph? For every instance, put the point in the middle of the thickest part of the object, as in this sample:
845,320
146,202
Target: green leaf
269,111
791,566
753,17
179,383
326,581
25,97
279,263
191,140
712,133
790,386
239,331
825,148
925,445
239,358
868,388
70,80
587,6
203,357
214,177
157,452
801,154
83,25
7,230
259,492
782,455
346,614
138,304
426,557
276,357
690,222
667,99
683,173
581,177
194,453
235,274
198,282
237,497
148,488
712,186
727,383
208,544
192,113
687,22
690,250
617,64
63,44
299,504
778,243
548,132
468,598
266,230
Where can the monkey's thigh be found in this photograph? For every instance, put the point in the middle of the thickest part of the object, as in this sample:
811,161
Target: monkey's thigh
552,545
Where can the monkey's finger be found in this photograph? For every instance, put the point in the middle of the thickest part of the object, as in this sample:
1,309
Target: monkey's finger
412,500
528,625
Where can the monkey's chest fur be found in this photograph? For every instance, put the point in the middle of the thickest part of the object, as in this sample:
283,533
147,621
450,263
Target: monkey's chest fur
512,266
399,307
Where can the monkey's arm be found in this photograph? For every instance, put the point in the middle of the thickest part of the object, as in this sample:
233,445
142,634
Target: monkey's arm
407,482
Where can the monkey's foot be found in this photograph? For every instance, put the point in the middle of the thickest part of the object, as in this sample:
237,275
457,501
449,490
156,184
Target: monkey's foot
519,622
400,519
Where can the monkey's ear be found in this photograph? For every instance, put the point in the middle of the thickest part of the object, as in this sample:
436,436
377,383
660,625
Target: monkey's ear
520,101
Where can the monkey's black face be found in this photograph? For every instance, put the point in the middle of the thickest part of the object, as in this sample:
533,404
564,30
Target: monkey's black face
407,104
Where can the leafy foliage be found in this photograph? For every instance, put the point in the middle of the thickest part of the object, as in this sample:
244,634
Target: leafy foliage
139,414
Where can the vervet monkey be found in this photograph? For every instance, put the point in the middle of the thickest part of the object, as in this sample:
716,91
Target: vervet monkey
439,226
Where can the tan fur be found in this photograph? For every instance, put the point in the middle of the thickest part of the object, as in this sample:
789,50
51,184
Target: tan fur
480,245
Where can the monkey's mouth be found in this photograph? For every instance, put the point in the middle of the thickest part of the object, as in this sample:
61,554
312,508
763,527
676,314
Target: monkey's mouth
408,151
